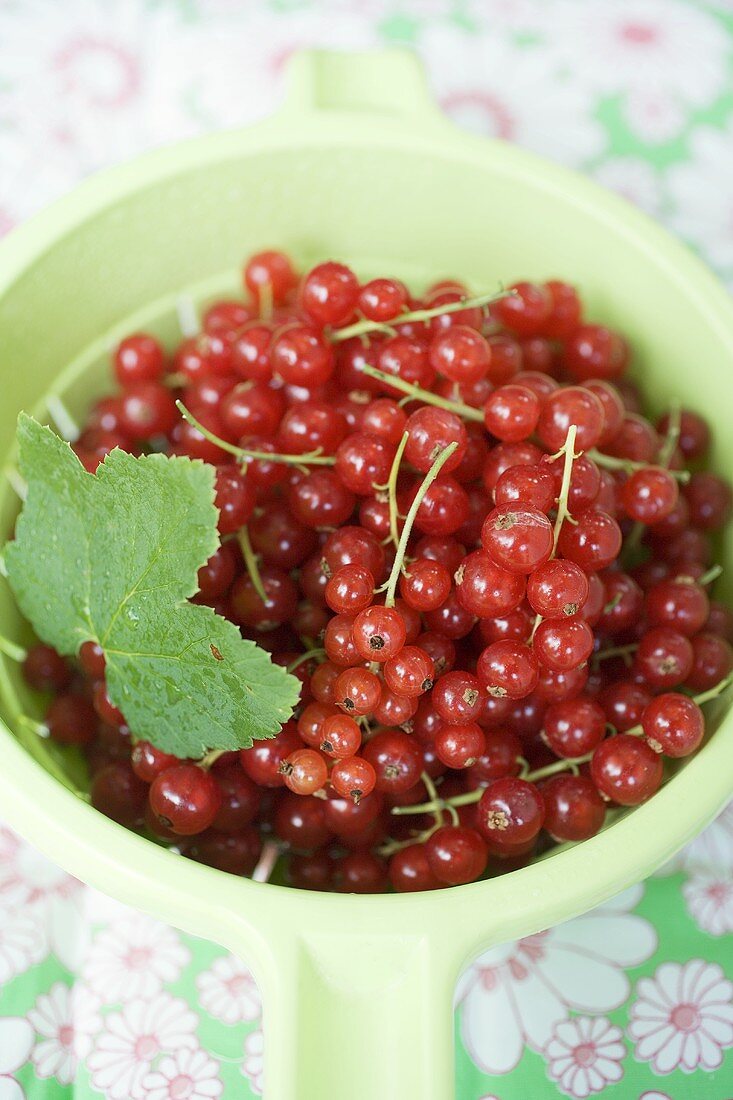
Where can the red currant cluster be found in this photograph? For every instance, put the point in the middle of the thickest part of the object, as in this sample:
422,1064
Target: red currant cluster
449,518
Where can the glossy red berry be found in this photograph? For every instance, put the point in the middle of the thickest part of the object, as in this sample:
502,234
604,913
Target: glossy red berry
382,299
486,589
460,746
272,270
593,542
649,495
329,293
508,668
664,658
354,778
518,538
456,854
185,799
71,720
340,736
379,633
511,413
626,770
46,670
147,409
526,311
563,644
410,672
301,356
510,812
148,762
139,358
529,485
574,727
574,810
673,724
460,354
594,351
409,870
396,759
557,588
118,793
429,432
305,771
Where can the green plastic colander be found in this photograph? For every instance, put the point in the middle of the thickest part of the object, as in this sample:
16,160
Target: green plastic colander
358,165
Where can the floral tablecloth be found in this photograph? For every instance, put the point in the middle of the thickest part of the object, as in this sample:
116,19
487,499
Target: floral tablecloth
634,1000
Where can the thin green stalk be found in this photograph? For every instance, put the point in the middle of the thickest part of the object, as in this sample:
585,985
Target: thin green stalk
611,462
416,316
313,458
563,512
467,412
615,651
672,435
392,489
250,562
13,651
311,654
410,519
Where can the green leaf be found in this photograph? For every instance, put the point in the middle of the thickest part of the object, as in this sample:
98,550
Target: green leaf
113,558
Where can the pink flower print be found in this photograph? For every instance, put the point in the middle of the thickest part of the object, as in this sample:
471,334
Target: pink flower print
584,1055
134,957
16,1040
229,992
133,1039
23,942
101,71
253,1065
683,1017
66,1020
186,1075
515,995
709,898
27,877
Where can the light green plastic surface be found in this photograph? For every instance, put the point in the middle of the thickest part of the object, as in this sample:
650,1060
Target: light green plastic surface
360,166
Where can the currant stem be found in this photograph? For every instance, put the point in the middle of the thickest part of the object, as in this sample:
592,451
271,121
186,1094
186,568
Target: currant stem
265,300
712,575
563,512
672,436
433,796
467,412
210,758
616,651
266,863
314,654
36,727
13,651
67,426
392,489
393,846
361,328
250,562
410,519
610,462
312,458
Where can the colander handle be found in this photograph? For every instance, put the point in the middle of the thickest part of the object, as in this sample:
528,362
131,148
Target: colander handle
384,82
363,1015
